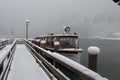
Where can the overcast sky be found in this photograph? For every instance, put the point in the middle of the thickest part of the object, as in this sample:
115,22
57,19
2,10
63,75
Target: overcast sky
45,13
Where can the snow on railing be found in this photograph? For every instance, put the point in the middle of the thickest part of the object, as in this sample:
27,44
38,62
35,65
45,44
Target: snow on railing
52,71
5,58
3,43
4,54
75,67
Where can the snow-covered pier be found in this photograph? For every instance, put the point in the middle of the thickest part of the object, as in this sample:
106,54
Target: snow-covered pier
23,60
24,66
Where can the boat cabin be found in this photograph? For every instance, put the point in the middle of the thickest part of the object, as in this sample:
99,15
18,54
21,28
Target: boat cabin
60,43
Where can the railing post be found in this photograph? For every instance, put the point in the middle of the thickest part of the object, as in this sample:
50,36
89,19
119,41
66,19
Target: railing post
55,64
1,69
93,53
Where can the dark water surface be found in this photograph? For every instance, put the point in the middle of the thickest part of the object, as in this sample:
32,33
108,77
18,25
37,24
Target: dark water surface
108,59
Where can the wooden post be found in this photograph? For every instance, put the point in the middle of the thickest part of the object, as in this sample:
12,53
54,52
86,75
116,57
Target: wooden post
92,62
37,42
93,53
56,45
43,42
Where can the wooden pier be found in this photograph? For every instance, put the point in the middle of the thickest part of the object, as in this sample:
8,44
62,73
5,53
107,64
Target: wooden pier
23,60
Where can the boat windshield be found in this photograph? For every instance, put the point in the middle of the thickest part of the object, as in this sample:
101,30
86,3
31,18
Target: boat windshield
68,42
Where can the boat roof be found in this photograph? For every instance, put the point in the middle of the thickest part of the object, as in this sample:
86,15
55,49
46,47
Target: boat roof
59,35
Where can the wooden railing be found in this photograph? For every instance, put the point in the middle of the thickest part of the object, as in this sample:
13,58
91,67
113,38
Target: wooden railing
3,44
48,68
73,66
6,58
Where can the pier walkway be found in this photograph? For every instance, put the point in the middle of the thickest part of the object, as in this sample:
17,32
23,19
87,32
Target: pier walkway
24,66
23,60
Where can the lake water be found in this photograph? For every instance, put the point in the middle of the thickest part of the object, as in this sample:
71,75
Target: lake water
108,59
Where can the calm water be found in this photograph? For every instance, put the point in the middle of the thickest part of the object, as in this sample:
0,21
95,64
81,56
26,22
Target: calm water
108,59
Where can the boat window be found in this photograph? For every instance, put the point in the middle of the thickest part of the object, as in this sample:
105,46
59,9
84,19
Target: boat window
68,42
50,41
54,40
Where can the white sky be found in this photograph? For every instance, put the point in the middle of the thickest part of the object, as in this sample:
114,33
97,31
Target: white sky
43,13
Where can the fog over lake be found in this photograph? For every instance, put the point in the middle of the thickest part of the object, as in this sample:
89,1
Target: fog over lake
86,17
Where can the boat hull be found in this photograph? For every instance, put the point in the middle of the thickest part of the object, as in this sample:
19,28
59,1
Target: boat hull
75,57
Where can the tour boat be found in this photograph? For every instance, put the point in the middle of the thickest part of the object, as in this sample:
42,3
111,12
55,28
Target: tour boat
63,43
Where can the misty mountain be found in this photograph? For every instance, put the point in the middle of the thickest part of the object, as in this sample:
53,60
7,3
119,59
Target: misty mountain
92,25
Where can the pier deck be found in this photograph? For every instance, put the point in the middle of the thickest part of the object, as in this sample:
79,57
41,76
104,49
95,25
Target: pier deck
24,66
